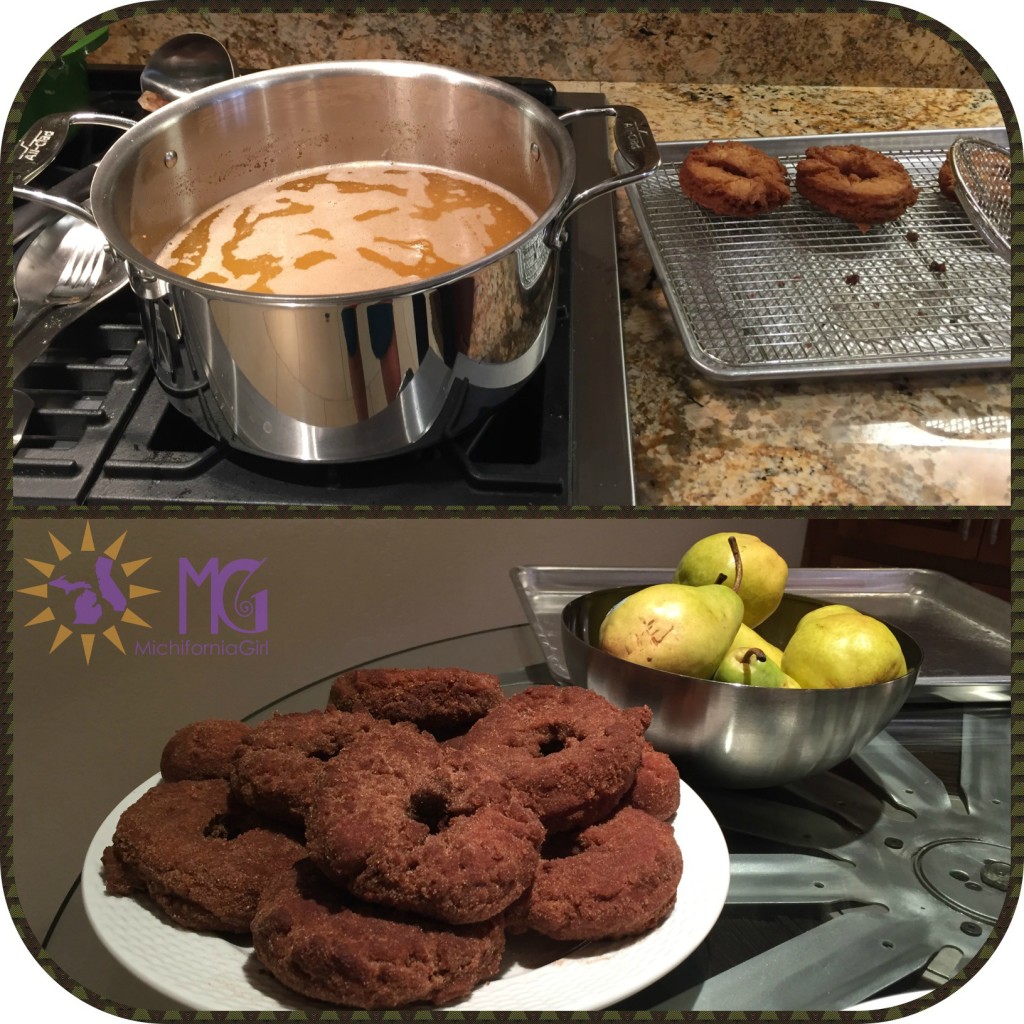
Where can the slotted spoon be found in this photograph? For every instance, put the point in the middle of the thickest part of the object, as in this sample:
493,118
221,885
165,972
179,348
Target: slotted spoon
61,266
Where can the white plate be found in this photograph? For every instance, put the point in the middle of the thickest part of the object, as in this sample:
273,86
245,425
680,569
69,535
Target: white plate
206,971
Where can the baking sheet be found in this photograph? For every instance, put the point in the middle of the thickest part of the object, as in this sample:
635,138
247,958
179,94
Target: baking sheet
963,632
801,294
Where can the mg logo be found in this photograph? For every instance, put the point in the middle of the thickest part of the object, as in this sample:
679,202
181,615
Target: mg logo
225,591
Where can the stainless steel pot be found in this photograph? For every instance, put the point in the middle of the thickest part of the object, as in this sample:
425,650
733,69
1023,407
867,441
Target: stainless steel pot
345,377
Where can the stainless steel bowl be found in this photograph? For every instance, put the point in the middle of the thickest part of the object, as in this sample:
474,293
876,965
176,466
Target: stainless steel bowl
728,734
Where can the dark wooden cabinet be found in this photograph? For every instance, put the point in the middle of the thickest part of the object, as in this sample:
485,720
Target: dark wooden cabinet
976,551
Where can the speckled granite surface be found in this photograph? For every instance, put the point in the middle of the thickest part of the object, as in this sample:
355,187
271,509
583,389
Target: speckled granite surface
791,48
940,440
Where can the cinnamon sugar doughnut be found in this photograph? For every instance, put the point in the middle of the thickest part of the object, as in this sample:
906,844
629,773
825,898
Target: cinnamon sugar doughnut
571,753
199,858
279,761
443,701
318,940
619,878
734,178
403,821
656,788
202,750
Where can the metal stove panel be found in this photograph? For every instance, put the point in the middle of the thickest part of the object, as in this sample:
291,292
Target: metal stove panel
885,872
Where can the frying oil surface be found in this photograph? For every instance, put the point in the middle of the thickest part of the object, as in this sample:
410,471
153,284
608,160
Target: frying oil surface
346,228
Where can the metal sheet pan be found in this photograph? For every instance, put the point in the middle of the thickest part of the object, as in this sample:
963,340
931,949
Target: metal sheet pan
964,632
801,294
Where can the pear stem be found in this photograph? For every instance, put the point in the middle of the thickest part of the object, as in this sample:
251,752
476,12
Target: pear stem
723,576
751,653
734,546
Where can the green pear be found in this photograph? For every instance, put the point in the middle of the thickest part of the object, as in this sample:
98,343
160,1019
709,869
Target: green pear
762,571
842,650
824,611
746,637
751,666
673,627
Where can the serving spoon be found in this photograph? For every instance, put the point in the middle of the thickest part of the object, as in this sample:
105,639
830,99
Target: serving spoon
183,65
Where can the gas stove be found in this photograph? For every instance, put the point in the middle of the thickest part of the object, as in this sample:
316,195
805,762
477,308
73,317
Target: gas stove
103,431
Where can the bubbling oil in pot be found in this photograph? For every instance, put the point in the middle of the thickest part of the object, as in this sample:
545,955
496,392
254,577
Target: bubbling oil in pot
346,228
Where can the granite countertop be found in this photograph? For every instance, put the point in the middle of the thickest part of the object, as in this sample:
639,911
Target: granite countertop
940,439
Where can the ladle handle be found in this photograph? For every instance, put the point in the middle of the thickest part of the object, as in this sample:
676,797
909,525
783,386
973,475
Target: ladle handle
38,147
635,143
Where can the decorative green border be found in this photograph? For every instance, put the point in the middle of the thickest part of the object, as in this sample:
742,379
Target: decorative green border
640,512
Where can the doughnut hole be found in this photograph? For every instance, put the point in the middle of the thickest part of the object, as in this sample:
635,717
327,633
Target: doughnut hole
557,738
430,808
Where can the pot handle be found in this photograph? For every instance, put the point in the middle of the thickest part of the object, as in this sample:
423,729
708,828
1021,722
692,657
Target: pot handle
59,203
38,148
636,146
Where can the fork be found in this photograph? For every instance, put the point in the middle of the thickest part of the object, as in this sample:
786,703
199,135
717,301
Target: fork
84,253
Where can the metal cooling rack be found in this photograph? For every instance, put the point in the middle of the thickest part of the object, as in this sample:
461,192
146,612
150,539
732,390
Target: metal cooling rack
799,293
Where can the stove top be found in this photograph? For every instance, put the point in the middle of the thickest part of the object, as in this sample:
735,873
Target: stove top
104,432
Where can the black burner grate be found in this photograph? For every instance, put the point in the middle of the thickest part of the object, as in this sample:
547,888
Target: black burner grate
84,389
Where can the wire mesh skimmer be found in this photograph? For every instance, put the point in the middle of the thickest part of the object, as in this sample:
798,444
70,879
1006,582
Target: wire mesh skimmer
981,178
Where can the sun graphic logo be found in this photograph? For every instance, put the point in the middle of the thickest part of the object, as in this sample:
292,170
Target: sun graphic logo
88,593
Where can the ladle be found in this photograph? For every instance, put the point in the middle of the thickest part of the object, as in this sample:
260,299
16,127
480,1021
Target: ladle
185,64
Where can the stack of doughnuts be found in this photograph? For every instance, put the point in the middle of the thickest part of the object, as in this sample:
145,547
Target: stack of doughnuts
379,850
